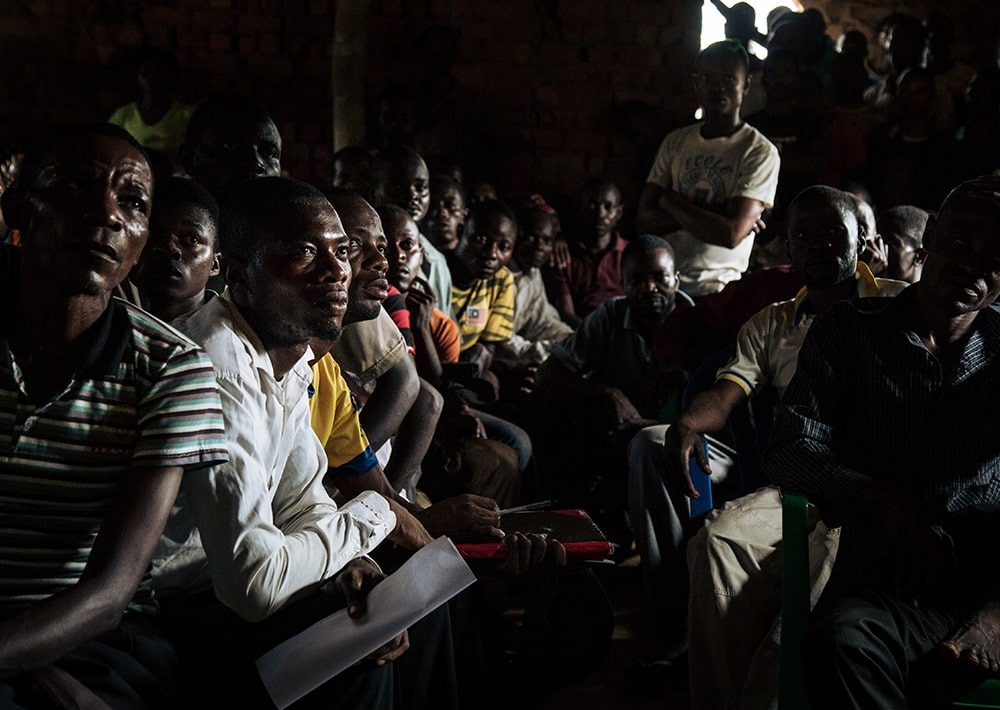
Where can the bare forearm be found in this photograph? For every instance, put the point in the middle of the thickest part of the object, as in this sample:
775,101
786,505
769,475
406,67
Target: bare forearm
394,394
708,411
425,356
94,605
51,629
652,219
706,225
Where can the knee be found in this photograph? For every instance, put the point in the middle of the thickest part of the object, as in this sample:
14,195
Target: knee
645,451
429,401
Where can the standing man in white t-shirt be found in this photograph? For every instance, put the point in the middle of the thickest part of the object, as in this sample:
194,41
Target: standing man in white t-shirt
712,181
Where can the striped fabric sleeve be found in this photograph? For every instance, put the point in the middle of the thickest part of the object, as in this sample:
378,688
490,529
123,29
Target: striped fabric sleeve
500,325
179,414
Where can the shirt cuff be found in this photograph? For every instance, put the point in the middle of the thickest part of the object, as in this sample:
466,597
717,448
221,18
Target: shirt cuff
373,510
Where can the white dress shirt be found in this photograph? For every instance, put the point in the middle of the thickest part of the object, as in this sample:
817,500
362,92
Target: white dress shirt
267,526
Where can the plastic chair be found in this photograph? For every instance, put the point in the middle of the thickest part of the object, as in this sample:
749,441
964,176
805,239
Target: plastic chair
795,613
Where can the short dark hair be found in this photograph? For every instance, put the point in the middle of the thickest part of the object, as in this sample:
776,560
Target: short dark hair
907,218
179,190
830,194
490,208
39,151
596,183
440,182
534,211
348,152
727,49
983,190
255,209
224,109
385,212
643,245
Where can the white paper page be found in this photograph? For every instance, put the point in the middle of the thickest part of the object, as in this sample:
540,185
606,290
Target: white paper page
432,576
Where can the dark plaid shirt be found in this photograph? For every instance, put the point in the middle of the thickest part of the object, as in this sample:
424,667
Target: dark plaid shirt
868,401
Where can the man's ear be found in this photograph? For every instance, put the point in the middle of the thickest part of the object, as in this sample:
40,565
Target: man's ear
216,264
235,272
919,256
16,206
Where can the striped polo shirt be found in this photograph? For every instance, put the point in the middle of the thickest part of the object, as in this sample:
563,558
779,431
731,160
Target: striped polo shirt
484,312
145,396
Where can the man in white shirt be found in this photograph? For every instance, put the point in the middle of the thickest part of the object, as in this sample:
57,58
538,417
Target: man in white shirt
269,538
712,181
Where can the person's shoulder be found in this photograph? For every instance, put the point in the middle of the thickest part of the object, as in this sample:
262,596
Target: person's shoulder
504,276
213,328
427,247
755,139
692,131
151,332
773,313
124,113
613,310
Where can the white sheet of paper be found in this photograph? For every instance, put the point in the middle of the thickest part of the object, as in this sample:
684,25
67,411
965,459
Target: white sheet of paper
431,576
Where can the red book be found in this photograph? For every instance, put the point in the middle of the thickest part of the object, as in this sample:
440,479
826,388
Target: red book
575,529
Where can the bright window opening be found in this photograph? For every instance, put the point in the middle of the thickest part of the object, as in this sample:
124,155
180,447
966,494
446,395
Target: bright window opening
713,23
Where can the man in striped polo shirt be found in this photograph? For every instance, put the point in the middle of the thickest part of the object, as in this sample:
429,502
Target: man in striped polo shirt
102,409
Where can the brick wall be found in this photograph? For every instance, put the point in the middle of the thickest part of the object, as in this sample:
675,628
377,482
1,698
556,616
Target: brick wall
556,90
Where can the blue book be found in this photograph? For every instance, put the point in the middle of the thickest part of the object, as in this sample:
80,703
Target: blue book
702,483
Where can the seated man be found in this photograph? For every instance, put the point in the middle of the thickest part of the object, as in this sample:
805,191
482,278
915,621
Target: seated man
911,609
594,272
823,244
181,254
352,170
602,382
401,423
229,140
98,397
902,229
447,213
400,177
436,341
712,181
369,265
269,539
537,326
482,304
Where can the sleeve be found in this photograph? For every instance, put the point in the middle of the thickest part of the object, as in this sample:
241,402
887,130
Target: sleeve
447,339
500,323
265,549
370,348
583,351
758,176
435,269
347,448
749,367
659,174
180,416
800,457
117,117
395,306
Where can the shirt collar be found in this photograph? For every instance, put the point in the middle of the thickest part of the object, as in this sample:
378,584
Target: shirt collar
867,287
111,331
259,358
